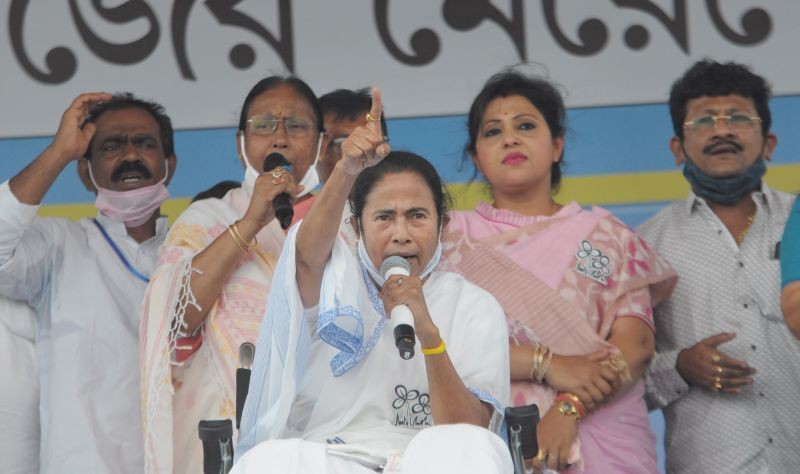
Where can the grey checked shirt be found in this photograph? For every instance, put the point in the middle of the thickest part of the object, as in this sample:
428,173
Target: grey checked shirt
726,288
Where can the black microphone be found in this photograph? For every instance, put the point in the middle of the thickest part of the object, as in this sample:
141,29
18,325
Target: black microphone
402,318
282,203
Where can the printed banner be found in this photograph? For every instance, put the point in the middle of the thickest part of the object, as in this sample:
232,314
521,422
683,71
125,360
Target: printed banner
199,58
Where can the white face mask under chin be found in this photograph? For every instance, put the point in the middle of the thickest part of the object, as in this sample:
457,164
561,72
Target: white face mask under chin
376,274
309,181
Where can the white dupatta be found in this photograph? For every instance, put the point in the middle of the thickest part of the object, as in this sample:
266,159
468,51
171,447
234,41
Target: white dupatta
350,318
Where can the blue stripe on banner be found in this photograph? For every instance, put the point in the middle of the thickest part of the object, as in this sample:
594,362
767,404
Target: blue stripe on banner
601,140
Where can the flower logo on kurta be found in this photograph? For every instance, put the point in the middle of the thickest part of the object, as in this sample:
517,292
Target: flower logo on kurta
412,408
423,405
592,263
403,396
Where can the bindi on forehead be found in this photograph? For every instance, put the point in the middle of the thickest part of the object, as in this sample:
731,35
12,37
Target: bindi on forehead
280,101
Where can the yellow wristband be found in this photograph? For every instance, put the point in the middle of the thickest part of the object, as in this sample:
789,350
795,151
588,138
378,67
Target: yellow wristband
435,350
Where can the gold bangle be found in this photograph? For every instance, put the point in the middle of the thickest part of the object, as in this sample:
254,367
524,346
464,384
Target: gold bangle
534,363
240,239
239,236
541,362
236,240
547,358
435,350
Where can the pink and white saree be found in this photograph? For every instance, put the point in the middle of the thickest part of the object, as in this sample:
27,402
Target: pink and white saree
562,282
177,395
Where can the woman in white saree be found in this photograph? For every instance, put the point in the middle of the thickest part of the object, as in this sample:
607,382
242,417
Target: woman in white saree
329,392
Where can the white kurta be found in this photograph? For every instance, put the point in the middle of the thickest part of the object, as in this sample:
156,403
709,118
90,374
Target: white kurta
87,342
19,390
384,400
380,401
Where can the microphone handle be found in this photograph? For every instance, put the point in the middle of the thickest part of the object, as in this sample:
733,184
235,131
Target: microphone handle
401,314
284,211
404,337
242,387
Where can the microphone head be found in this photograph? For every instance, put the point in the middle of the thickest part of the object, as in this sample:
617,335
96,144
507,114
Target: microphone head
395,261
247,352
273,160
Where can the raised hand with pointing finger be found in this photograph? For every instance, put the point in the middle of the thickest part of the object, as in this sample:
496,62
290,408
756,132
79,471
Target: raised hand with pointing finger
366,146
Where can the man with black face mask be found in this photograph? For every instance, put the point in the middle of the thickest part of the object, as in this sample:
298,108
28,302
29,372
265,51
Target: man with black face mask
85,279
726,370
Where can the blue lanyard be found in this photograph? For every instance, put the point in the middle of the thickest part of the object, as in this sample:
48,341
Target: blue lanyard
117,251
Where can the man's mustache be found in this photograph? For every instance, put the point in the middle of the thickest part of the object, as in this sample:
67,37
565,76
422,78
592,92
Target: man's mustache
130,166
722,142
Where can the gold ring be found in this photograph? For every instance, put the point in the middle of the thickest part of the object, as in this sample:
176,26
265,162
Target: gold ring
715,358
717,384
370,118
277,173
719,370
541,456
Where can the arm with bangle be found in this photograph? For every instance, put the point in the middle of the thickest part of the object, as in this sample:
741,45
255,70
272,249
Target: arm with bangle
590,377
214,265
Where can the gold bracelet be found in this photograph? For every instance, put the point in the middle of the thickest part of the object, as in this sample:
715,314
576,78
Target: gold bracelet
541,362
236,240
236,231
534,363
435,350
547,358
240,240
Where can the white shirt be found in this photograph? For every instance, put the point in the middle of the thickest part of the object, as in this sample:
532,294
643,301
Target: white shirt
726,288
87,341
19,390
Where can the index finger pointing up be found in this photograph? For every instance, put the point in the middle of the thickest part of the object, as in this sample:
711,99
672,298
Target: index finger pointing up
374,117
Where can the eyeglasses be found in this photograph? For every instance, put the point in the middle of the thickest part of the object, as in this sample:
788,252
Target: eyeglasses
737,123
266,125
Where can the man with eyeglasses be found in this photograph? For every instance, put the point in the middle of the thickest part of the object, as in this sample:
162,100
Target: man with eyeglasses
85,279
727,370
343,110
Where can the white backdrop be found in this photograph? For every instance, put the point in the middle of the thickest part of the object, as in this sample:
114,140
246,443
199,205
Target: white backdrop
430,57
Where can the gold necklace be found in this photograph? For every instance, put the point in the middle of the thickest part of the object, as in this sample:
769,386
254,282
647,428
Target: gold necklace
740,237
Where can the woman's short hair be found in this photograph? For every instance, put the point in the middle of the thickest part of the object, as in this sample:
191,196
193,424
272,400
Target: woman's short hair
400,162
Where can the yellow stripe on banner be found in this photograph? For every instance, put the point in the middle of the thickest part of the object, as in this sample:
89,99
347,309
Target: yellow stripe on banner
601,190
626,188
171,208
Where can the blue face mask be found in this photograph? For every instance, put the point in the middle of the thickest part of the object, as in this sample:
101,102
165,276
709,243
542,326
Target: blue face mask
376,274
726,191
